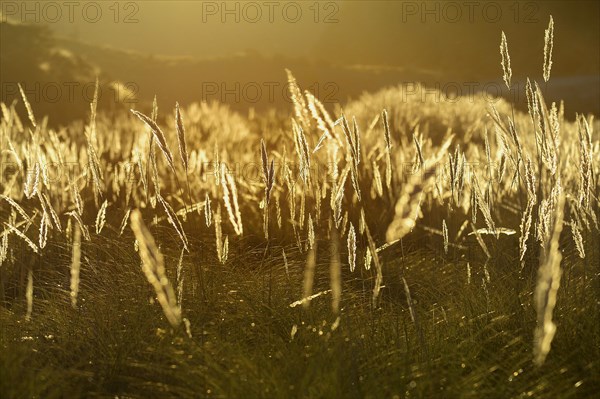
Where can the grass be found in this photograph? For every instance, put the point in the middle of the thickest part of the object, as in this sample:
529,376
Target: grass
469,341
422,270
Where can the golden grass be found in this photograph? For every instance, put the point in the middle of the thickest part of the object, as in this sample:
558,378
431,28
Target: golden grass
369,173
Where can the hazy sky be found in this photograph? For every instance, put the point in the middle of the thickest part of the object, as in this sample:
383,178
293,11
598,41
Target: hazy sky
357,32
359,45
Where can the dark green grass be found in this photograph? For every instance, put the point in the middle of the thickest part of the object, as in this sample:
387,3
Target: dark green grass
467,340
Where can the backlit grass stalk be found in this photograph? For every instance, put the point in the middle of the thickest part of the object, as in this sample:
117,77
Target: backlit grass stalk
154,269
75,266
546,290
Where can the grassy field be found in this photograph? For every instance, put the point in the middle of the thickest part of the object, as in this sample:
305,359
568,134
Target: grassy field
392,248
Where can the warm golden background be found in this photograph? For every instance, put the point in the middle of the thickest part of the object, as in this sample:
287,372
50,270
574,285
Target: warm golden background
198,50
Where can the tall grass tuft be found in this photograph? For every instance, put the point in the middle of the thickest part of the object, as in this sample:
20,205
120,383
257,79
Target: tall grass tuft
352,248
159,137
548,44
507,72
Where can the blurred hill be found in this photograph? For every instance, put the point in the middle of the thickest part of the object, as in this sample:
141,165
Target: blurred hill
57,81
58,75
459,38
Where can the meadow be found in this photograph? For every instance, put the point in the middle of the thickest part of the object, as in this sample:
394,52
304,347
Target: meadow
386,248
